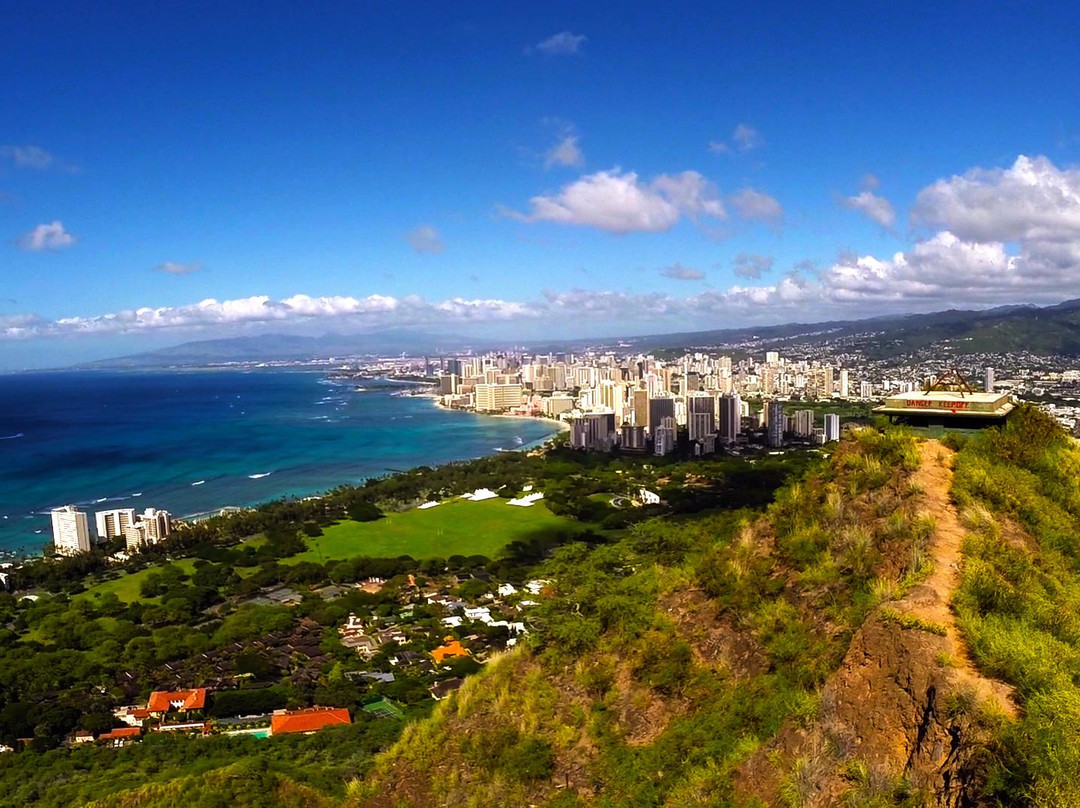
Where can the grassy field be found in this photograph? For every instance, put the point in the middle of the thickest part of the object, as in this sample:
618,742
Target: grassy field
457,527
126,587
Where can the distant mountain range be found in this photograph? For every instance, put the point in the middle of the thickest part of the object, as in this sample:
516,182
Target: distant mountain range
1041,330
1038,329
286,347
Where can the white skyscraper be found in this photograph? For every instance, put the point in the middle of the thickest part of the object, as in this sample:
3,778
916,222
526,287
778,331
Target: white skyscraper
844,384
111,524
832,427
988,381
158,524
71,531
804,423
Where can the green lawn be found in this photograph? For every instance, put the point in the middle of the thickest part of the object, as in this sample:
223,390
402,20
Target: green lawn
126,587
457,527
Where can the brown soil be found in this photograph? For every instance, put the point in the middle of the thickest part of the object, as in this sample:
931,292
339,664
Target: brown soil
931,600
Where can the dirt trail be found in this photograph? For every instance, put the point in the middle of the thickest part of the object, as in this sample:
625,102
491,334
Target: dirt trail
930,600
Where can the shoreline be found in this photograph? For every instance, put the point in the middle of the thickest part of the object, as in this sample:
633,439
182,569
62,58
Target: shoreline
27,545
561,425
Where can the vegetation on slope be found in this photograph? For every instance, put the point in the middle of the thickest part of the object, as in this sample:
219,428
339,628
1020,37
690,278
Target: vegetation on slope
664,660
1019,602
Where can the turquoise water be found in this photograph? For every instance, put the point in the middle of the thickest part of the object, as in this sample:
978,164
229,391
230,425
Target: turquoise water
191,442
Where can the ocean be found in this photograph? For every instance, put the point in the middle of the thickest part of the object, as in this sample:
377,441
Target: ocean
193,442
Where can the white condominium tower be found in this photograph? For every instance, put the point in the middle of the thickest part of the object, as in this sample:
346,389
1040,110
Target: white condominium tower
111,524
71,532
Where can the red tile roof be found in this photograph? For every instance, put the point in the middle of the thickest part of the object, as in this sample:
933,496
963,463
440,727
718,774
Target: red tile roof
121,732
310,720
161,700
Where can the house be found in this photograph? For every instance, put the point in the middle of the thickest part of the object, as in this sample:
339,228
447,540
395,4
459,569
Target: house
283,722
452,649
162,701
506,590
132,716
120,737
480,613
5,748
647,497
407,658
82,737
453,621
440,690
537,586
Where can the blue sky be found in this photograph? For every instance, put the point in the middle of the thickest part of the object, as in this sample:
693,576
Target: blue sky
599,169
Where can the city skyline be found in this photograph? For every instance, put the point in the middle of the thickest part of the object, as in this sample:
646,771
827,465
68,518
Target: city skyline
169,176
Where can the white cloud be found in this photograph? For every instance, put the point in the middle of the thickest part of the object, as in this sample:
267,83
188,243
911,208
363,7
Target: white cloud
560,43
757,206
870,182
618,202
28,156
680,273
425,239
564,153
174,268
747,138
744,138
51,236
943,269
749,265
1033,200
875,207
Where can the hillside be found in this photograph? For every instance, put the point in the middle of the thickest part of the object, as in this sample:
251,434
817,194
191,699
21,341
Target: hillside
897,627
714,661
866,641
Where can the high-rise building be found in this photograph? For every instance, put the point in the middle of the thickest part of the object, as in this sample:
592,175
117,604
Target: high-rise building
660,407
700,415
448,384
804,423
664,436
556,405
497,397
158,524
71,531
151,527
111,524
844,384
772,357
633,438
730,417
866,390
832,427
641,408
774,422
988,381
594,431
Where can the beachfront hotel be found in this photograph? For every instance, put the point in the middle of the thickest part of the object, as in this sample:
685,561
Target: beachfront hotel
113,523
71,531
151,527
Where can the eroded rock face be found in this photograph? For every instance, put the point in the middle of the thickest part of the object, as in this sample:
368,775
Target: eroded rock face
884,721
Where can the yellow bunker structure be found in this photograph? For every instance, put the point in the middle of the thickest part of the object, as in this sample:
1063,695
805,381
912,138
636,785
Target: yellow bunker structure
949,409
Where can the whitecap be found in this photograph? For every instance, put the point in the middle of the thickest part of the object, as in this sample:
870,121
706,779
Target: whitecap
12,437
259,476
200,482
